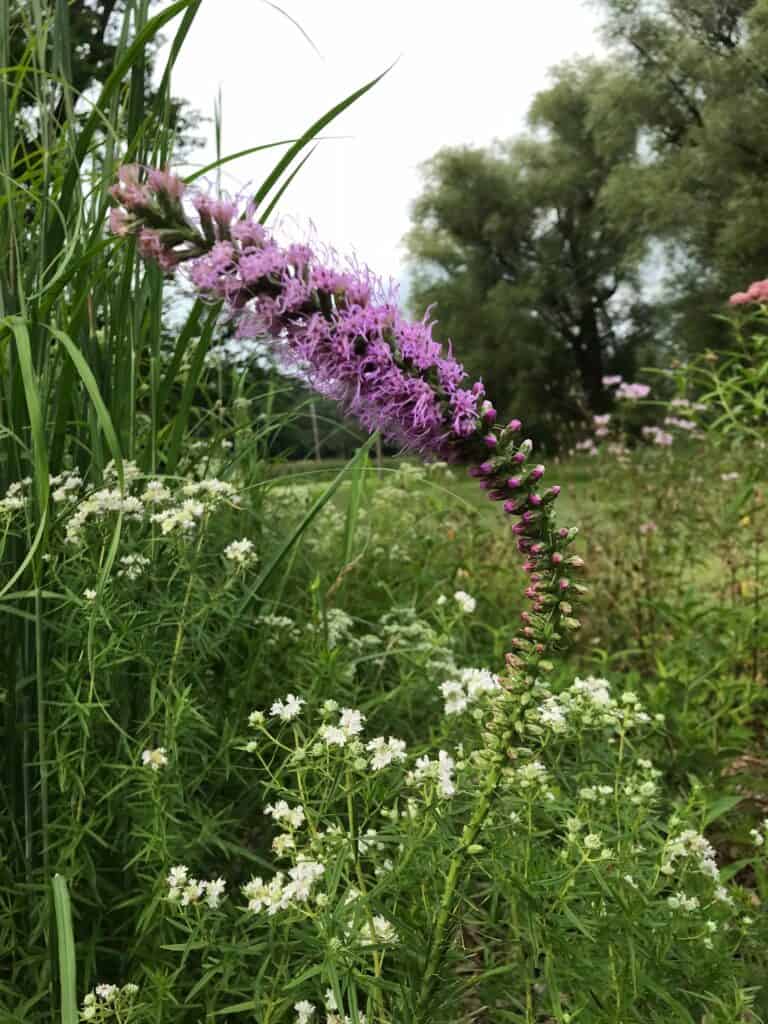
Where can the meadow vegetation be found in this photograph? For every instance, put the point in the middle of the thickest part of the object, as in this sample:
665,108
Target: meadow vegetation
306,744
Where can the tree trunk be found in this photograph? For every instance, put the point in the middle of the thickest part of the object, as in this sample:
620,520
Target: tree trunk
588,350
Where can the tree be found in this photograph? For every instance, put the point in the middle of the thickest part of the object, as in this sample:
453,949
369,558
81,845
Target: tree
697,74
526,261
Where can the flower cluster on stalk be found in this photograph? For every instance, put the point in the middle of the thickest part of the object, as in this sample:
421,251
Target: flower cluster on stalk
343,331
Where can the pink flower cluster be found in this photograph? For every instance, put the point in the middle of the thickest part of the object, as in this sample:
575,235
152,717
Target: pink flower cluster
347,337
757,292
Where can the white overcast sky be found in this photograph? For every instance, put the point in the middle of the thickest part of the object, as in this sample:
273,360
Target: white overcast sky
466,73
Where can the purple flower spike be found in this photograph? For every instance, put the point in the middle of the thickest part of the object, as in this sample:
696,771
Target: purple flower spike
343,331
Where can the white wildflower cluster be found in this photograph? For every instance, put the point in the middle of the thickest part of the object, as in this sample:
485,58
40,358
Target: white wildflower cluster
589,702
280,630
65,486
759,835
530,777
185,507
99,505
182,518
338,627
385,752
376,931
641,786
288,709
15,498
690,846
283,891
287,816
187,891
350,725
106,1001
467,688
441,771
133,566
465,601
241,552
680,901
155,759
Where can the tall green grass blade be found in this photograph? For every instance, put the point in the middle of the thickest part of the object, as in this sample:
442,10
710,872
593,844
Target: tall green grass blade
288,544
309,135
280,192
65,941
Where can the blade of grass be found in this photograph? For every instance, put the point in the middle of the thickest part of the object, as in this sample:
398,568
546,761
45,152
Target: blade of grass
65,941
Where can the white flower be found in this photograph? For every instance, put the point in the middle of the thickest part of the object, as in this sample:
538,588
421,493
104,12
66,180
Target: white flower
283,842
177,876
442,600
155,493
288,709
445,767
454,696
192,892
214,892
267,896
592,841
305,1011
465,601
255,719
350,725
155,759
303,877
106,992
133,566
89,594
385,752
293,816
378,930
241,552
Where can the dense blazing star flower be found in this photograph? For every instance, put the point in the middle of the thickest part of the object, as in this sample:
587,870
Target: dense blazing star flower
344,333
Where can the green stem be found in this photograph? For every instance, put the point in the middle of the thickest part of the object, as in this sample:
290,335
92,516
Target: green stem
440,934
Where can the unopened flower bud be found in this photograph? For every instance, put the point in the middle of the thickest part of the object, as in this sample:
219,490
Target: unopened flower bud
490,440
536,473
576,561
557,558
535,499
486,468
514,482
571,623
514,425
563,584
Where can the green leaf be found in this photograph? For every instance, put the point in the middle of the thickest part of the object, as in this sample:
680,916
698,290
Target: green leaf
66,948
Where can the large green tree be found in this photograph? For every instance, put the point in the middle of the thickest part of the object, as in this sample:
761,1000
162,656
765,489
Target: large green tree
528,264
697,82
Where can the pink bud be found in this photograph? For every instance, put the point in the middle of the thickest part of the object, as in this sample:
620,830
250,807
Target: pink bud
509,507
537,472
557,558
513,482
562,532
490,441
514,425
563,584
535,499
519,457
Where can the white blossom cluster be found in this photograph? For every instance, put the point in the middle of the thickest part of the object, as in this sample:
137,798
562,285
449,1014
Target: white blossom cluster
15,498
467,688
440,770
241,552
690,846
758,836
283,891
589,702
104,1000
187,891
133,566
155,759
